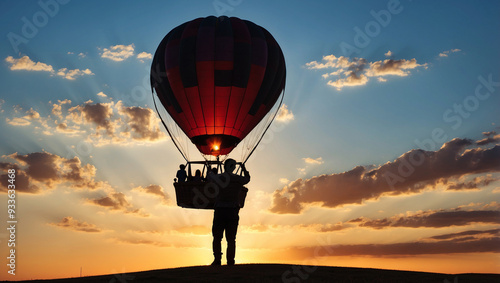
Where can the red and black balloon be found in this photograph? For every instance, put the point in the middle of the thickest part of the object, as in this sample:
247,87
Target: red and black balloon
217,78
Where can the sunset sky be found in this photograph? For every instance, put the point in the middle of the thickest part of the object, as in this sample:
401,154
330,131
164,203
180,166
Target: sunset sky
385,153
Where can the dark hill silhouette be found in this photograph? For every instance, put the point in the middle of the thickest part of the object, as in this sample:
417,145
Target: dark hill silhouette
243,273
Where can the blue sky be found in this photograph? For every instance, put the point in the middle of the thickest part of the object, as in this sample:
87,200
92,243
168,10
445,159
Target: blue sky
398,84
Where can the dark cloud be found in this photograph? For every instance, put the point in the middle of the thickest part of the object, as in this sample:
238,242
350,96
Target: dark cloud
468,234
99,123
113,201
436,219
100,114
491,133
75,225
21,180
142,123
475,183
42,166
490,137
318,227
393,67
117,201
324,228
454,246
471,241
459,216
155,190
39,171
410,173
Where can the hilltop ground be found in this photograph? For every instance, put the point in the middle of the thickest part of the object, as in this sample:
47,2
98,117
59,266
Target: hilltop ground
280,273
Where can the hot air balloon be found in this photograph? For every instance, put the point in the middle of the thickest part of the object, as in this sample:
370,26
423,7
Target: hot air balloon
219,80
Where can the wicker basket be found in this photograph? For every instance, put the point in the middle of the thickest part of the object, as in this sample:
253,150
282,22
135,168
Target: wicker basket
202,195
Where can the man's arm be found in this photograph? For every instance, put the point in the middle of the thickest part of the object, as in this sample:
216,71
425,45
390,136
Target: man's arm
246,174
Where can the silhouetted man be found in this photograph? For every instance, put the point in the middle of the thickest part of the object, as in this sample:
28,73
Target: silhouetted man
226,215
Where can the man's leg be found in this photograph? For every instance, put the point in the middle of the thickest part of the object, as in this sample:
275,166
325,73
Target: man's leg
231,229
217,233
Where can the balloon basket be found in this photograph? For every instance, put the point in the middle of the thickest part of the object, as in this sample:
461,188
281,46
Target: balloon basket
202,195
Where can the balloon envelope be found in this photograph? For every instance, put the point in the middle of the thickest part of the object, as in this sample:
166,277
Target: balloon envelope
217,78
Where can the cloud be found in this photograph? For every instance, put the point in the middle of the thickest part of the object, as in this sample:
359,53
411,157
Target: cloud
72,74
98,114
57,107
113,201
485,243
118,52
490,137
473,213
155,190
325,228
388,54
447,52
101,94
278,228
65,129
72,224
349,72
142,242
41,171
143,56
17,121
392,67
475,183
26,64
99,123
141,123
284,115
284,180
474,233
435,219
309,160
455,217
117,201
408,174
352,79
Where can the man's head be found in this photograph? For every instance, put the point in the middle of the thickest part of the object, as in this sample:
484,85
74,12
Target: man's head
229,165
182,166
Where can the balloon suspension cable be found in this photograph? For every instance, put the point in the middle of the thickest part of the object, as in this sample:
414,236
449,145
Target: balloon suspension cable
166,128
274,116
